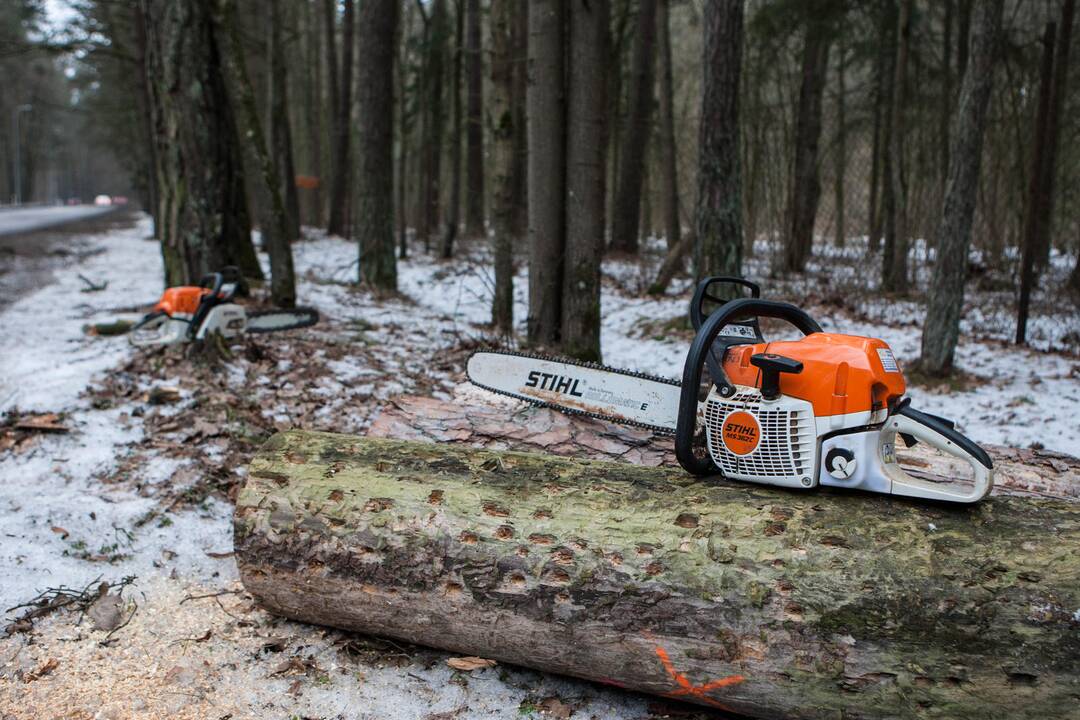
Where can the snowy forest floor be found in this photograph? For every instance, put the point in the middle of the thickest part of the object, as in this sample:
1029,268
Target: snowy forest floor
155,442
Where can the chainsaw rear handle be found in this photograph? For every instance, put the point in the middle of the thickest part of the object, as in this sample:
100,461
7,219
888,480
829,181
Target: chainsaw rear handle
936,433
214,281
701,294
686,426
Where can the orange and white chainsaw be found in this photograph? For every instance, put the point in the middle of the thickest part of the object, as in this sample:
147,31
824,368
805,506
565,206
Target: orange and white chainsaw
193,312
826,409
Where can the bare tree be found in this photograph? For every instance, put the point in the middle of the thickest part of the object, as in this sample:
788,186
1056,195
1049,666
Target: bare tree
280,132
585,177
718,221
626,214
431,131
545,100
453,205
953,235
501,122
375,161
341,126
894,271
203,221
668,148
805,184
474,129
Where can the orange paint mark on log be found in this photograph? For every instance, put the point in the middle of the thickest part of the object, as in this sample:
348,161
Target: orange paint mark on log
685,687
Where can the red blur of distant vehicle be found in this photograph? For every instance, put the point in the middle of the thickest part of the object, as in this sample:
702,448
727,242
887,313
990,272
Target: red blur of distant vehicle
119,200
103,200
74,201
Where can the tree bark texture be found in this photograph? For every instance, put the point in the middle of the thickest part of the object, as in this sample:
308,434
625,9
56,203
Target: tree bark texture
719,204
953,236
546,107
749,599
453,203
894,274
474,129
375,157
341,126
626,215
313,115
275,224
668,147
841,153
501,119
281,144
805,191
586,169
202,212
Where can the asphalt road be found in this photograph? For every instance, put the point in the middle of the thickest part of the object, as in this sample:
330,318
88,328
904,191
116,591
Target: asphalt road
16,221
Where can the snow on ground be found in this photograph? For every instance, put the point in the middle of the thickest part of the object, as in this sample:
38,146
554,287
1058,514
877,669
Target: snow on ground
69,513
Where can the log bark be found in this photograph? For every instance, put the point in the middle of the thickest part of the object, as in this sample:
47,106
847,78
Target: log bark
755,600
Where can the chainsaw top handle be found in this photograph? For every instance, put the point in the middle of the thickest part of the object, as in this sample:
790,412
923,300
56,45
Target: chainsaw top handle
214,281
705,292
743,308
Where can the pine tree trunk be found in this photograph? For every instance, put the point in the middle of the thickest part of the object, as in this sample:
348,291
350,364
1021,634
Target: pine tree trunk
281,144
669,150
1034,221
203,221
625,217
341,141
313,98
585,177
875,216
474,200
431,143
275,224
953,236
805,190
840,154
404,127
375,150
146,128
519,102
453,205
501,121
1059,90
718,219
743,598
894,275
546,101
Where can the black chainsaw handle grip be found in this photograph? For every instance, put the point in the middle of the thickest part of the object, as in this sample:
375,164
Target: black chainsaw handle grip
701,294
686,425
214,281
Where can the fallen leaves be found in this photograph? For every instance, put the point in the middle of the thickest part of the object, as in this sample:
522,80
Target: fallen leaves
107,612
470,663
42,670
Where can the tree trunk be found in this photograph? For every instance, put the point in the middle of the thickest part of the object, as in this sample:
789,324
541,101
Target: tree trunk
404,127
501,127
281,144
453,208
805,182
875,216
313,115
432,131
375,156
672,264
1059,89
668,148
840,154
143,100
519,103
546,102
894,273
586,155
340,158
627,211
718,220
1034,221
953,236
744,598
203,216
275,225
474,132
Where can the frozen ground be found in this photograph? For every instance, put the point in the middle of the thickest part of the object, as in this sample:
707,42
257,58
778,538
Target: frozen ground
124,492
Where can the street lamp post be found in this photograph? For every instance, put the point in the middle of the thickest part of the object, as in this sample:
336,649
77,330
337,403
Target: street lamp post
15,113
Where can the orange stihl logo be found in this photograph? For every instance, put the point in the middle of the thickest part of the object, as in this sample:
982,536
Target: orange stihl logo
741,433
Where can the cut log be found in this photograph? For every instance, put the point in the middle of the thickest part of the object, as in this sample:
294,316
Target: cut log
761,601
